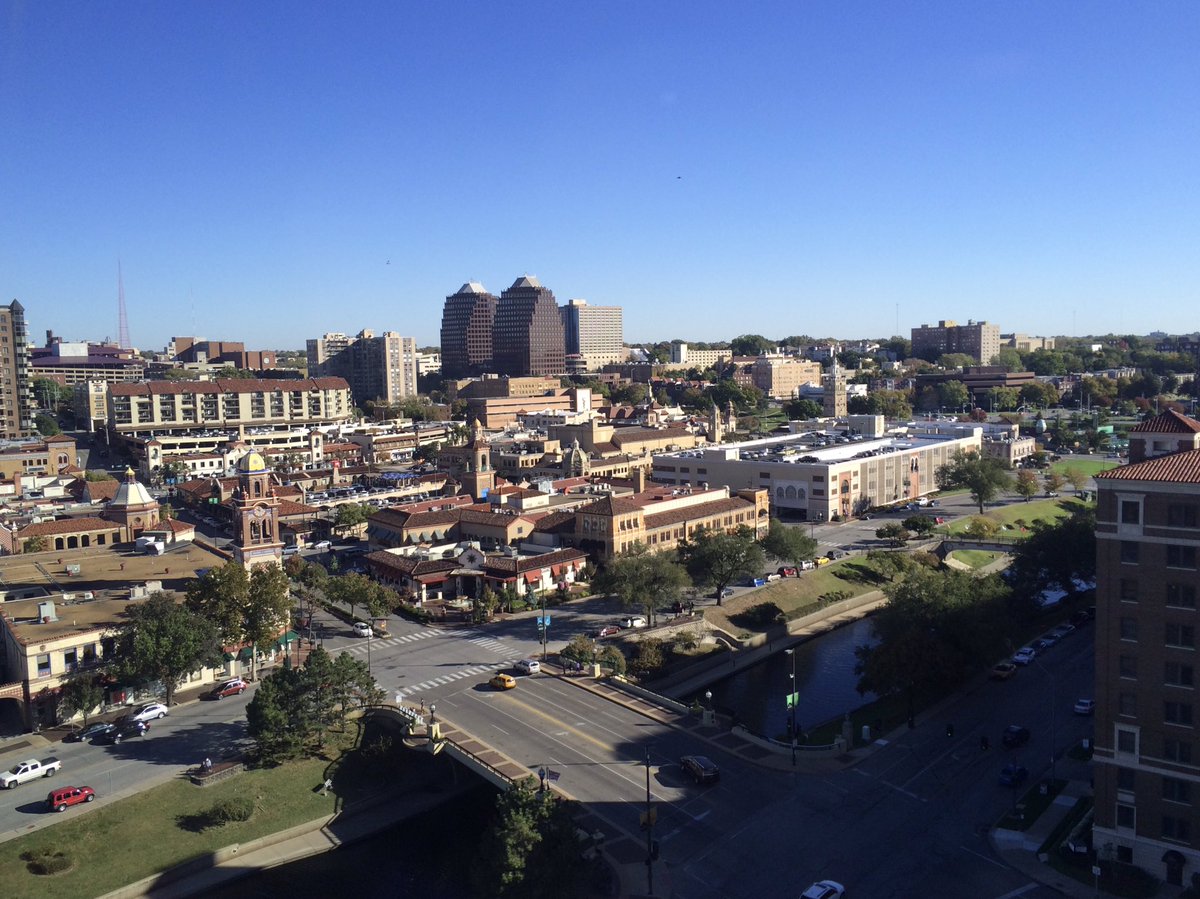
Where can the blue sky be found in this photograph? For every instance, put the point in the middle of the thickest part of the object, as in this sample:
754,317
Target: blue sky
271,171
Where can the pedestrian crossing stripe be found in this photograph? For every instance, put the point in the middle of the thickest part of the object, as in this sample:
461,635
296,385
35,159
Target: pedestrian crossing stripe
473,671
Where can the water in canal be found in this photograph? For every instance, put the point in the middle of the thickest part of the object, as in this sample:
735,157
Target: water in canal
825,680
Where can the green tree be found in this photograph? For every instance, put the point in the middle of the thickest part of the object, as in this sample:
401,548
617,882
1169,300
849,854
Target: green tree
802,409
246,608
354,590
894,404
786,544
751,345
46,425
983,476
283,715
80,694
163,640
1040,394
953,395
268,605
350,515
1059,554
894,532
35,544
1053,481
95,475
717,558
483,606
581,648
1077,477
980,528
641,579
918,524
955,360
1003,398
649,658
1027,484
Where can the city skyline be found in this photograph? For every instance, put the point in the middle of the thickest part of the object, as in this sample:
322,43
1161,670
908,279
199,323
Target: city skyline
270,173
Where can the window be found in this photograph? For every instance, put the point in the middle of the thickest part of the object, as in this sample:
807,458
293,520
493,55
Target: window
1177,675
1129,628
1128,666
1126,741
1127,704
1181,556
1177,750
1126,779
1125,816
1131,512
1176,790
1129,590
1177,829
71,659
1129,552
1180,635
43,665
1179,713
1181,516
1181,596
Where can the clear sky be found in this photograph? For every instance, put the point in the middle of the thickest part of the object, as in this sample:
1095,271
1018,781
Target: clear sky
269,171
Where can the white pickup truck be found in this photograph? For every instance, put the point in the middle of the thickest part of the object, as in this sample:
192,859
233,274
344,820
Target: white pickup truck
29,770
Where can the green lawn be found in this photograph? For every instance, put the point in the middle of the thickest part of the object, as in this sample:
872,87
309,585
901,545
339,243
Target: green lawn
1007,516
1087,466
131,839
975,558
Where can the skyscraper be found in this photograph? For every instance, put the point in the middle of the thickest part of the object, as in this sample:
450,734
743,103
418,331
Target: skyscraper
376,368
528,336
16,399
594,333
467,321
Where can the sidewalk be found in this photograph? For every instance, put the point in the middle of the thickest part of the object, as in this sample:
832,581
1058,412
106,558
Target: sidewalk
1020,848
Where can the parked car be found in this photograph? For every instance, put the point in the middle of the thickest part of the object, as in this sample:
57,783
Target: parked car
1080,618
323,545
807,565
124,730
232,687
148,712
788,571
633,621
1014,735
1013,775
1050,639
60,800
1085,706
362,629
700,768
608,630
1002,671
91,732
824,889
502,681
1024,655
1063,630
728,591
528,666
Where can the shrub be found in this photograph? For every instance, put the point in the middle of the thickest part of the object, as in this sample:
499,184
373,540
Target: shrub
47,861
759,616
235,808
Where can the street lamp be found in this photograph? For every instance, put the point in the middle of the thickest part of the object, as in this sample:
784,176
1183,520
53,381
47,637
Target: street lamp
432,712
792,698
369,636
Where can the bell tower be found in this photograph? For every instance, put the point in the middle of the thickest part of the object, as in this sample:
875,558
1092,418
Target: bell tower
478,477
256,515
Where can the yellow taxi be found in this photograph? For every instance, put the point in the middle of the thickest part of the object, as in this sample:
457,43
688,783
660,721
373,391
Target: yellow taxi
502,681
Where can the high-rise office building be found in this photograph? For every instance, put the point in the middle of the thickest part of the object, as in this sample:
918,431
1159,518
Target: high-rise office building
376,368
1147,758
16,393
594,334
528,336
467,321
979,340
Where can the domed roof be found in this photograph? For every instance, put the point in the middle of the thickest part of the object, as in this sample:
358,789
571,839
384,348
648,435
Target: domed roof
131,493
252,463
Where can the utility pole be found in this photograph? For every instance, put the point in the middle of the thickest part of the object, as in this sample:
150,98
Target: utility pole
649,832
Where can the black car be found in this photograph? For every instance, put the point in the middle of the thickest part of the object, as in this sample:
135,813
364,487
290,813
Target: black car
701,769
93,731
1014,736
123,730
1013,775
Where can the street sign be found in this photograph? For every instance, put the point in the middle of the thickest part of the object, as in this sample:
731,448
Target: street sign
793,699
649,817
543,621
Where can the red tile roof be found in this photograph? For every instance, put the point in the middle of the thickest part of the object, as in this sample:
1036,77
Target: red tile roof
703,510
1169,422
1179,467
67,526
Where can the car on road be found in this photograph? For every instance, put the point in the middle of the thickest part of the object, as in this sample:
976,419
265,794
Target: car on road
1024,655
700,768
528,666
807,565
124,730
362,629
1050,494
1002,671
1063,630
728,591
608,630
502,681
1080,618
232,687
633,621
60,800
148,712
91,732
824,889
324,545
1013,775
787,571
1085,706
1014,735
1050,639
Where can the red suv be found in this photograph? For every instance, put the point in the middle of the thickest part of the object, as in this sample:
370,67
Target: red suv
58,800
234,687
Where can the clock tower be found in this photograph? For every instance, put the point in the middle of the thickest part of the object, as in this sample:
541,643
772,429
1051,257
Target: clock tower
256,514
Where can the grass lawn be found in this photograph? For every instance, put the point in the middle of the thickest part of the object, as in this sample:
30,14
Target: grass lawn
976,558
796,596
1087,466
142,835
1037,510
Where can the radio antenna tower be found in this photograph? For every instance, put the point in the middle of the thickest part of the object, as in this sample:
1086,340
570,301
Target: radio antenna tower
122,318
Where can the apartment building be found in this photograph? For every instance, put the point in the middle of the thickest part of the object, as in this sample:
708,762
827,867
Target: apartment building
687,357
380,367
781,377
16,392
1147,760
594,335
199,351
76,363
980,340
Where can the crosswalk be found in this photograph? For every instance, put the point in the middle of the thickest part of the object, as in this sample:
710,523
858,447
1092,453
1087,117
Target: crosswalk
360,649
473,671
506,656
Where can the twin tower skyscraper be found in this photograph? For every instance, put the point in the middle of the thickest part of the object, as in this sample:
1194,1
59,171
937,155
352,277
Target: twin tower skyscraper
523,333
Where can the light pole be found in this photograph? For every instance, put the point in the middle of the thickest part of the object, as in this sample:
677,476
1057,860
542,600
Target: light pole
792,697
1053,703
369,636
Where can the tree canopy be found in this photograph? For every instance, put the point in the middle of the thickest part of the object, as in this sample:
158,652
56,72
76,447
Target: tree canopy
983,476
163,640
788,544
1057,554
717,558
245,608
642,579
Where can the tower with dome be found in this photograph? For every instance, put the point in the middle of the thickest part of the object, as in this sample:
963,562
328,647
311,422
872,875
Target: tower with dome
256,514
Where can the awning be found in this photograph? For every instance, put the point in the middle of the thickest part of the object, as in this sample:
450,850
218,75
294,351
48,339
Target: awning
533,577
246,654
289,637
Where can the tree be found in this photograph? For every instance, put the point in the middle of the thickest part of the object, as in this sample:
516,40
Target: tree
919,524
246,608
1077,477
80,694
356,589
94,475
980,528
163,640
46,425
641,579
802,409
1053,481
894,404
955,360
953,395
35,544
788,544
751,345
581,649
281,718
1003,398
1040,394
268,605
718,558
351,515
894,532
983,476
483,606
1057,554
1027,484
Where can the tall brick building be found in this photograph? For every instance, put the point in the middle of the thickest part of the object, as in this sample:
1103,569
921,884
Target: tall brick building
467,321
528,337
